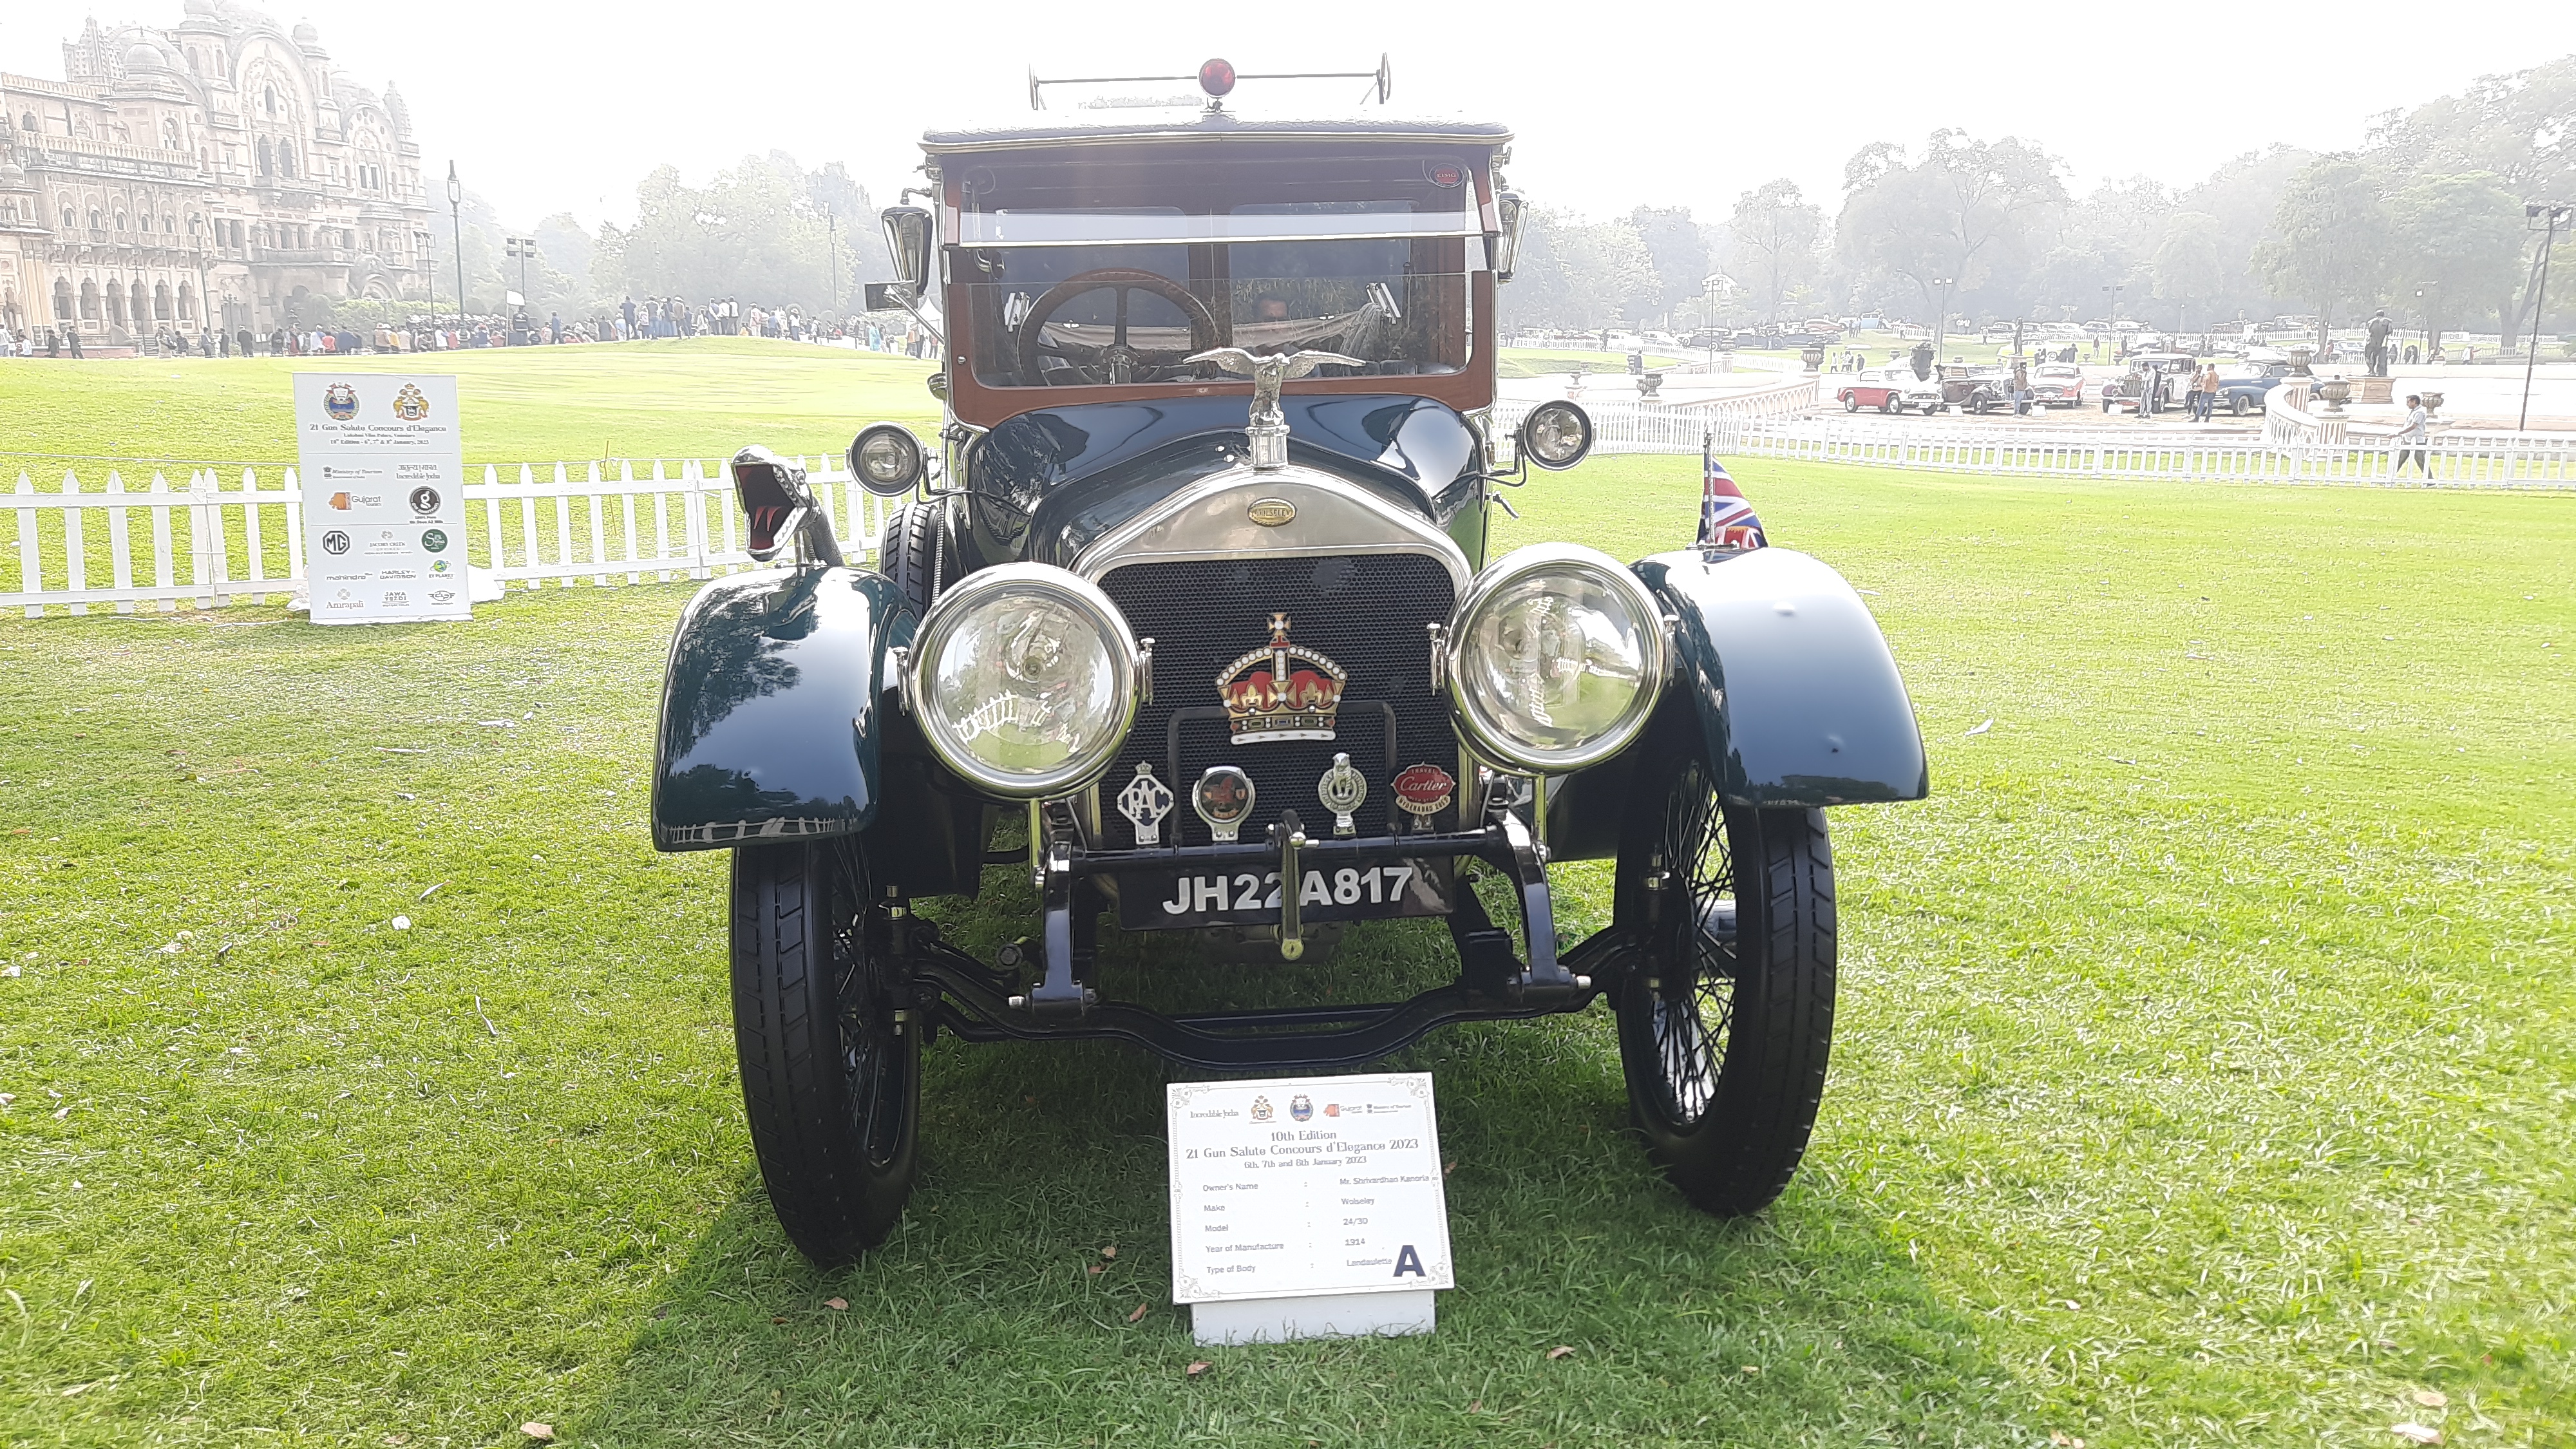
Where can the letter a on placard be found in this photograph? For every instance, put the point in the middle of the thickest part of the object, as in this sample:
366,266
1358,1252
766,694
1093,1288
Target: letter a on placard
1409,1261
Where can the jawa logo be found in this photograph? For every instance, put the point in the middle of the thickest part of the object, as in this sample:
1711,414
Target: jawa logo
1281,692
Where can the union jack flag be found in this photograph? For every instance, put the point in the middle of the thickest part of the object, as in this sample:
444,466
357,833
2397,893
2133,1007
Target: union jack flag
1725,519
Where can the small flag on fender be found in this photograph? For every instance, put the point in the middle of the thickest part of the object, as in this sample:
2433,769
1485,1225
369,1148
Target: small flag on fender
1725,519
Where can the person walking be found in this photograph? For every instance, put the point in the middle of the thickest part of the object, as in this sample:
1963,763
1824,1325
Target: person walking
2206,391
2412,438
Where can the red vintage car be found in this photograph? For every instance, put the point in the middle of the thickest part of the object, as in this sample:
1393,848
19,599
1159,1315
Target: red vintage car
1892,390
2057,385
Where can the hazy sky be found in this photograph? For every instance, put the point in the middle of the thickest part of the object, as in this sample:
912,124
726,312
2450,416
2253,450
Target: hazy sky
550,106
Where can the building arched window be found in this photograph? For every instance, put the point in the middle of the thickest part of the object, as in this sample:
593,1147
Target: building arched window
187,303
27,122
285,159
62,300
120,221
115,305
69,220
97,220
169,133
268,99
267,155
161,302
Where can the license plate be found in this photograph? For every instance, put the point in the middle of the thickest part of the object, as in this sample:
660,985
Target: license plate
1151,900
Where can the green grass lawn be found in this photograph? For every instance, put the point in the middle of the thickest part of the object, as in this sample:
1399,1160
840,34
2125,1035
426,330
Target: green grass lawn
701,397
2204,1076
1550,361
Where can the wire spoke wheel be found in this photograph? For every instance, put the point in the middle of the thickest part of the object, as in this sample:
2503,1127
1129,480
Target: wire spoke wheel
1726,1021
831,1081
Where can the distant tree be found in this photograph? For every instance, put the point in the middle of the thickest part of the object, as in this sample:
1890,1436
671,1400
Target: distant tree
756,232
1970,211
2462,237
2186,267
2520,127
1581,276
2241,196
2330,239
1773,236
1675,250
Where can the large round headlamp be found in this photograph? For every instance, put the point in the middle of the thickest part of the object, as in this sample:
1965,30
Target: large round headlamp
1023,679
1556,656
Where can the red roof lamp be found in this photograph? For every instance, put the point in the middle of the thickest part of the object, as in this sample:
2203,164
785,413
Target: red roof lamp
1217,77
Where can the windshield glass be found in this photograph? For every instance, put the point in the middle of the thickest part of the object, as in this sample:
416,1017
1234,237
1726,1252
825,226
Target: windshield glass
1108,275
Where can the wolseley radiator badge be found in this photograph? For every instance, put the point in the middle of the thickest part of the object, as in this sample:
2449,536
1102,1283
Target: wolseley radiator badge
1297,697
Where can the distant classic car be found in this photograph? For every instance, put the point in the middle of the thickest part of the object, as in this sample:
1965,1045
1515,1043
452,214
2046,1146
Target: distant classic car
2168,371
1194,623
2057,385
1977,389
1892,390
2242,386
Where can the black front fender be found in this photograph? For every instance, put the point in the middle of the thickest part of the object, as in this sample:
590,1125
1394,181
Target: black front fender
1797,696
770,708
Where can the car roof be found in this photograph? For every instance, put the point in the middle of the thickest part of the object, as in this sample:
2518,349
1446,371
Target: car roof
1175,123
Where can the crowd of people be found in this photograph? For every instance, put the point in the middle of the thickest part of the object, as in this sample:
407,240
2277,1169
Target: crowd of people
632,320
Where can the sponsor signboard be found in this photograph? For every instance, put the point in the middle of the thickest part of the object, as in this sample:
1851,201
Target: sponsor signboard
1307,1207
383,475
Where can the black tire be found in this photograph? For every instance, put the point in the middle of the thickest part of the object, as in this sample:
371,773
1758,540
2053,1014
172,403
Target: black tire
830,1082
2236,405
912,551
1851,402
1887,404
1725,1031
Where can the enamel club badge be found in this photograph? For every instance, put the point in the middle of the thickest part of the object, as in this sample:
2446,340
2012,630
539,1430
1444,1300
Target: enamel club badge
1342,790
1145,802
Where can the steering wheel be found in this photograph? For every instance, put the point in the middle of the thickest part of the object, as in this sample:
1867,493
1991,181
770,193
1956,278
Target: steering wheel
1114,361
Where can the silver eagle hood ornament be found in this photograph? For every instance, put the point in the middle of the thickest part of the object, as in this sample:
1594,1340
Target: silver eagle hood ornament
1268,429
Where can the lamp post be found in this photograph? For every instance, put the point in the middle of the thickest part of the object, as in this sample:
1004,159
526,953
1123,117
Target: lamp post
2549,214
519,249
832,231
2112,294
456,215
1941,318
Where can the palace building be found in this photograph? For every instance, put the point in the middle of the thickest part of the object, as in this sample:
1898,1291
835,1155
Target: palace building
221,172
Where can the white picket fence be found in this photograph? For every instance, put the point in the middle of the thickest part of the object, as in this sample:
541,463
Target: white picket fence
1786,422
210,545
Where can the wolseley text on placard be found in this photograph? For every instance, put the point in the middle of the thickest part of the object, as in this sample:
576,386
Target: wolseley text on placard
1306,1186
384,497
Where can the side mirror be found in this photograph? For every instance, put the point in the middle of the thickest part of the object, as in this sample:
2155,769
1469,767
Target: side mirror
780,506
1556,435
907,236
1507,246
887,459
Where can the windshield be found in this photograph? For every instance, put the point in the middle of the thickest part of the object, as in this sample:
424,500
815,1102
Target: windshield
1109,275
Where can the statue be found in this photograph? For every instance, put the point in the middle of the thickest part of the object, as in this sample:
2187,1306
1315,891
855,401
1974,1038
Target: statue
1923,355
2374,353
1268,430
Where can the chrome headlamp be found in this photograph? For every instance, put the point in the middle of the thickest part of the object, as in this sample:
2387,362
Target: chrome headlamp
1023,679
1555,658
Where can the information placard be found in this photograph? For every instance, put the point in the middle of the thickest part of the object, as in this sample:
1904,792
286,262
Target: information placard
1315,1195
383,477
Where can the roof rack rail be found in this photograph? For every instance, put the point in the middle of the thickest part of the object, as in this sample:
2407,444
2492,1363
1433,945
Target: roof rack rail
1216,78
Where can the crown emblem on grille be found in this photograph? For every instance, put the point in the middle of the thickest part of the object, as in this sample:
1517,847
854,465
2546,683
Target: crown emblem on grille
1281,691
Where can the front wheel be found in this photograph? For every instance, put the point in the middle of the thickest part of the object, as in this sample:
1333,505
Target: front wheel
1851,403
831,1082
1725,1028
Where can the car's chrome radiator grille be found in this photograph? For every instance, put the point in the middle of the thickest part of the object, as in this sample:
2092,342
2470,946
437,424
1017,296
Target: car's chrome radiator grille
1365,612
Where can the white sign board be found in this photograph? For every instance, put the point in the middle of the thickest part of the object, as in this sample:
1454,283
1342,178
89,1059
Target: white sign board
1307,1207
384,497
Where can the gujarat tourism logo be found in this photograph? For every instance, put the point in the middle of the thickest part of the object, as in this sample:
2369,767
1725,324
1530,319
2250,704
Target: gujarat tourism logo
1297,698
341,401
410,405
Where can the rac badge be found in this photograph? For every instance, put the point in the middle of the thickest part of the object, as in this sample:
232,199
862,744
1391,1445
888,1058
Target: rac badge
1224,800
1296,697
1342,789
1423,791
1145,802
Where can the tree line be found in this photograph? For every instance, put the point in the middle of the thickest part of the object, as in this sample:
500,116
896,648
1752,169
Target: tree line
2426,218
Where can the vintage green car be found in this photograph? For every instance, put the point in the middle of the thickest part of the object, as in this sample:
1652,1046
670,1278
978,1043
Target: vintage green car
1194,587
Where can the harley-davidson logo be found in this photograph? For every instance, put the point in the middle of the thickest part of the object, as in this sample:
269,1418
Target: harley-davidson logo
1297,697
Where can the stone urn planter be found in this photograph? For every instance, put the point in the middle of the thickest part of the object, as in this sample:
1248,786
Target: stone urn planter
2432,404
2299,361
1648,384
1814,357
2334,392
